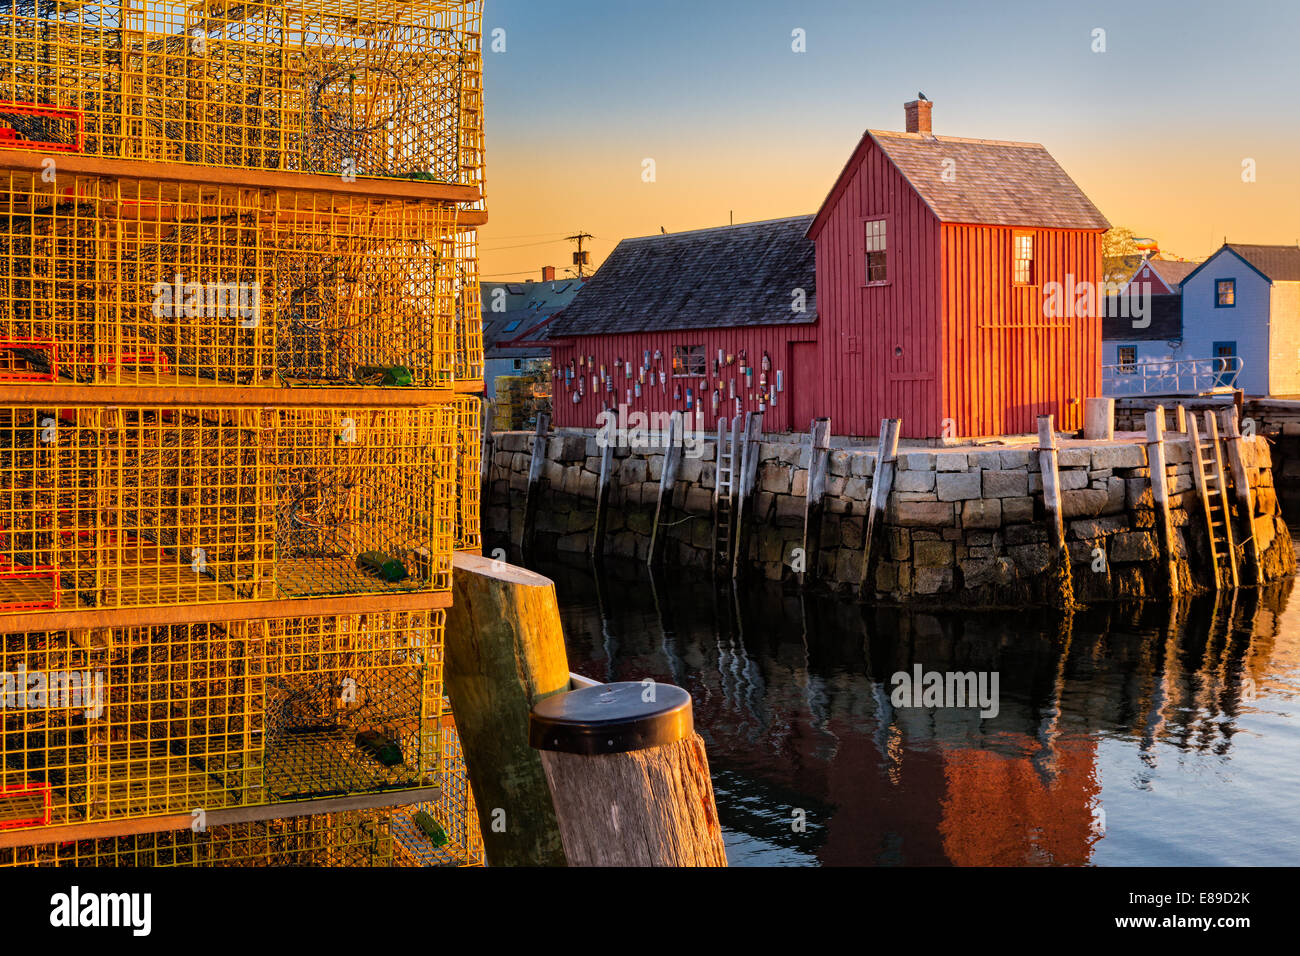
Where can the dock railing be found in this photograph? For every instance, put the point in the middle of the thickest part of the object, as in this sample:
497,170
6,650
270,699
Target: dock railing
1181,377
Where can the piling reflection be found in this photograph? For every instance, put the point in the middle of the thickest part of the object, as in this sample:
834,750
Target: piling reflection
794,696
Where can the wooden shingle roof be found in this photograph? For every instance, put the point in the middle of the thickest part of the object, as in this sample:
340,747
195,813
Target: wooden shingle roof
711,278
982,182
1279,263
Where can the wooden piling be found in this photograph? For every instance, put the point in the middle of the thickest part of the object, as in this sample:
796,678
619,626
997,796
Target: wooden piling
882,483
819,451
504,653
534,494
667,482
1156,467
602,501
745,490
629,776
1241,490
1180,418
1048,465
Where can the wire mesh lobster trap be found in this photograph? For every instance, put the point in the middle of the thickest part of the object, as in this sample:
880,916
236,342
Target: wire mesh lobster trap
365,291
168,720
388,88
444,831
356,838
110,507
469,457
139,282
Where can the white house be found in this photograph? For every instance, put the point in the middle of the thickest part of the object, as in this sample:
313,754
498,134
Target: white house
1244,301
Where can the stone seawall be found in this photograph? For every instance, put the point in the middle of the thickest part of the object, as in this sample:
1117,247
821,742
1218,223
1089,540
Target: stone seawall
963,525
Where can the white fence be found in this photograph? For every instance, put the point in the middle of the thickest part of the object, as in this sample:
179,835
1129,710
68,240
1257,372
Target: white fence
1159,377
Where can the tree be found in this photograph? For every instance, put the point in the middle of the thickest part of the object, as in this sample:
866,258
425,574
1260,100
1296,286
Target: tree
1119,255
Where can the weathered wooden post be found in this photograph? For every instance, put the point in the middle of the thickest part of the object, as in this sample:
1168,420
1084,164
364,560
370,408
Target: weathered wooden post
1180,418
629,776
1048,456
533,496
882,483
744,494
819,451
602,501
1241,488
667,482
1160,495
504,652
1099,419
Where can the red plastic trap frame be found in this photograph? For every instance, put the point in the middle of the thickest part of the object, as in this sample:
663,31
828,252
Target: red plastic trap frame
9,798
9,138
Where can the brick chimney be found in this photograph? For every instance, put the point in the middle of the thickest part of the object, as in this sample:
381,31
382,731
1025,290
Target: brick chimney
548,273
918,116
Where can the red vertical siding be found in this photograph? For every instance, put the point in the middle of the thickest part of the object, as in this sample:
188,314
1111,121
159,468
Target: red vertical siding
1005,361
866,377
606,349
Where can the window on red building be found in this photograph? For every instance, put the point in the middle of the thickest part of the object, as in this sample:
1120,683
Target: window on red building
689,360
877,251
1023,244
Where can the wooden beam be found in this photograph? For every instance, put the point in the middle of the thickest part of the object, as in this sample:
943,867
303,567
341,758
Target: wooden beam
819,450
602,500
745,491
1048,465
667,483
100,829
62,620
76,164
61,393
504,653
1156,468
882,483
533,496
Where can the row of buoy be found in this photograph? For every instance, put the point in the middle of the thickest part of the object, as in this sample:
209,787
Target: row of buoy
575,376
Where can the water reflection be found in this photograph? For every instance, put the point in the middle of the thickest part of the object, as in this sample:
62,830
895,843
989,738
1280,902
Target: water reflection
1160,734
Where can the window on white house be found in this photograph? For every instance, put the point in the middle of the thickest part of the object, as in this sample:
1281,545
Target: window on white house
690,360
1225,293
877,251
1128,356
1023,267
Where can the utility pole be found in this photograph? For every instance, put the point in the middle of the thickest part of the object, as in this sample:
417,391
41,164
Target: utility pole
580,257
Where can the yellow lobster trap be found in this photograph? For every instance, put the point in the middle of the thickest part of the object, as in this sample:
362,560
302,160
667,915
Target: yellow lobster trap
357,838
187,719
110,507
469,457
109,281
385,88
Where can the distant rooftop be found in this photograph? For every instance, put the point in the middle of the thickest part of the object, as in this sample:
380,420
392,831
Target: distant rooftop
528,307
1279,263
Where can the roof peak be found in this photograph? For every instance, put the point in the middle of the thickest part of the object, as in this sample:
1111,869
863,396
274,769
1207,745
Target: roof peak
735,225
923,137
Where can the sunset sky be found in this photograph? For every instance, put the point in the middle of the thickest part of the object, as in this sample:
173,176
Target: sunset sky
1154,130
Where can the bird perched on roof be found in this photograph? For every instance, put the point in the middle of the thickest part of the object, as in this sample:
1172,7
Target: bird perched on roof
922,96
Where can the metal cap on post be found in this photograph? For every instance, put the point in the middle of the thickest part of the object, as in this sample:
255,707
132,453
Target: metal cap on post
629,776
611,719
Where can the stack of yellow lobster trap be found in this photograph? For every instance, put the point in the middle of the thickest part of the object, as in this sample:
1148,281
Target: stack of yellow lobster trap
239,336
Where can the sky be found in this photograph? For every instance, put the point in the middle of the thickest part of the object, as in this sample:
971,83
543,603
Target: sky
1155,128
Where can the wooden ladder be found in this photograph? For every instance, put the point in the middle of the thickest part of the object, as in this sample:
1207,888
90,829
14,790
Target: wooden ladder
724,492
1207,469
